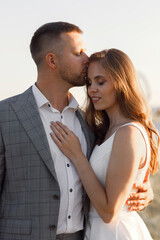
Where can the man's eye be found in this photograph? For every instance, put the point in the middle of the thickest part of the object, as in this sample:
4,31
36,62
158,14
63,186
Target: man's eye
78,53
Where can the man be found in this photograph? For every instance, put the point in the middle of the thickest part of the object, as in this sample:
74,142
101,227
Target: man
40,192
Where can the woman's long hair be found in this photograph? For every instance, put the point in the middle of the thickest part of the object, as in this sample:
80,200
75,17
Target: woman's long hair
129,97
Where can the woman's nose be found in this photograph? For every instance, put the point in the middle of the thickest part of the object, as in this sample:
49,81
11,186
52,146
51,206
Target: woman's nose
92,89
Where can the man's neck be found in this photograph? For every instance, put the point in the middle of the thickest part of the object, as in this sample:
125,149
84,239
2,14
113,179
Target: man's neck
58,97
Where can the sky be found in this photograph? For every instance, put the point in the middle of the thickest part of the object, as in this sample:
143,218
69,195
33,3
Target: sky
130,25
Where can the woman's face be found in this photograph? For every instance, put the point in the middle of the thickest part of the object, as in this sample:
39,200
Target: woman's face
101,89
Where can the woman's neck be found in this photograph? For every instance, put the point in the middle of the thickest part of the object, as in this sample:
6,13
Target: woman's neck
116,119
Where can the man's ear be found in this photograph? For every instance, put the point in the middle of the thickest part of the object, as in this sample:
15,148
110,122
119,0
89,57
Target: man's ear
51,60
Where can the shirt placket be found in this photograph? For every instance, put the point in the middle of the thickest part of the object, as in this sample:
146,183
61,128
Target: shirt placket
70,177
70,193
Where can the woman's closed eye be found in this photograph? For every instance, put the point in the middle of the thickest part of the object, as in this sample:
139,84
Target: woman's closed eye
100,83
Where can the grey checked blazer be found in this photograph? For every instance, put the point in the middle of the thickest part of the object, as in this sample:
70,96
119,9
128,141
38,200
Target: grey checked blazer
29,191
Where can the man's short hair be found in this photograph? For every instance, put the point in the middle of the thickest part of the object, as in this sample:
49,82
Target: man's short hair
47,34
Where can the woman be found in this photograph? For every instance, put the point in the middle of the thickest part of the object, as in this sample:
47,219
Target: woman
118,114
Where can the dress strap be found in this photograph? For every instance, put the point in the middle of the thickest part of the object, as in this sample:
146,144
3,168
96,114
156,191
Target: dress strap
146,139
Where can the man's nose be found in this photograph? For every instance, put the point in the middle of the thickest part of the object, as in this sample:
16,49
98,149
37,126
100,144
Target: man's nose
86,59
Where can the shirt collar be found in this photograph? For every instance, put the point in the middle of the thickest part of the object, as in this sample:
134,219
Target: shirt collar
41,100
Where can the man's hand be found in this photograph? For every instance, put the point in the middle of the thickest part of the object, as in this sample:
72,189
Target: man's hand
139,200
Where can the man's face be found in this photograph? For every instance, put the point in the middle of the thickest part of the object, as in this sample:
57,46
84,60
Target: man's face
73,60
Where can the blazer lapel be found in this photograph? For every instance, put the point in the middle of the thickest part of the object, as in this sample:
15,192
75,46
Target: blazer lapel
28,114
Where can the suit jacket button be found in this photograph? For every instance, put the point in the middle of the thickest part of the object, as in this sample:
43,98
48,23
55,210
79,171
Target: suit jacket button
56,197
52,227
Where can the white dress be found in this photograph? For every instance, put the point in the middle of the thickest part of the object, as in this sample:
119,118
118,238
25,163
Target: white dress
128,225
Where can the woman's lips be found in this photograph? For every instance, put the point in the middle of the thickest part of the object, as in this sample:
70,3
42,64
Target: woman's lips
95,99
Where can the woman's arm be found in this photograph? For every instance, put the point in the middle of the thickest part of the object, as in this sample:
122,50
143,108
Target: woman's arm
127,155
121,172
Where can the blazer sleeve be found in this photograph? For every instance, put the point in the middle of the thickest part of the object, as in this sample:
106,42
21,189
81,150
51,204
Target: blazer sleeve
2,161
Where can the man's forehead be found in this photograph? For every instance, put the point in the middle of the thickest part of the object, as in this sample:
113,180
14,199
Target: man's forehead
74,38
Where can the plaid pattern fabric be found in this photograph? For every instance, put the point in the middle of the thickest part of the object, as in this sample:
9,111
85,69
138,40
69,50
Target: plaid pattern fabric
29,191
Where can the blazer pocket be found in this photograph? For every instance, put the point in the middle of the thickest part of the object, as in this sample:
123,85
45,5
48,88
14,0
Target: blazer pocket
15,226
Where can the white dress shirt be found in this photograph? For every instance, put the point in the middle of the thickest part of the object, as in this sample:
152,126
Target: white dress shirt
71,216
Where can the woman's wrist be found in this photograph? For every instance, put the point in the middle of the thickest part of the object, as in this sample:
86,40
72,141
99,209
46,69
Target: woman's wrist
78,160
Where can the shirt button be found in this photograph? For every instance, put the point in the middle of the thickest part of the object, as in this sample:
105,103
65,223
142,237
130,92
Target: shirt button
61,116
49,105
71,190
68,165
56,197
52,227
69,217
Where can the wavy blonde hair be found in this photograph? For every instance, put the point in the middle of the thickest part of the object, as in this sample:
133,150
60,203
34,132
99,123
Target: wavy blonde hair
129,97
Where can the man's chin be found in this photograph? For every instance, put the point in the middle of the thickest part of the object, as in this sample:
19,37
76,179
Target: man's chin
81,82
